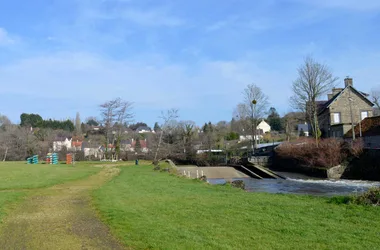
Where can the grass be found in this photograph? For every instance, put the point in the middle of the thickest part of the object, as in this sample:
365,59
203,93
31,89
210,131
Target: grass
8,198
19,175
153,210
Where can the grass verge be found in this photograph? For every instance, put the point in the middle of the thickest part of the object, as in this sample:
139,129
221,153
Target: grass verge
153,210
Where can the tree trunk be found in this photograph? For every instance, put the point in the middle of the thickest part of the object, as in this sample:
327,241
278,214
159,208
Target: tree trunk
5,154
159,144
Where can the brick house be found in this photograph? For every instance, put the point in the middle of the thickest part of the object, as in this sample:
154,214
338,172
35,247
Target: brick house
344,107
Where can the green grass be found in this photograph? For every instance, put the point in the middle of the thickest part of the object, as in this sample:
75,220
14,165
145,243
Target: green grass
152,210
8,198
19,175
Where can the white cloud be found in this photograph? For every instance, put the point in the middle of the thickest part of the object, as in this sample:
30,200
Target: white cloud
5,38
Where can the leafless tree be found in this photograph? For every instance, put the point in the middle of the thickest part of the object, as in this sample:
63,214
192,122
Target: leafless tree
375,94
169,122
4,121
255,106
114,112
314,80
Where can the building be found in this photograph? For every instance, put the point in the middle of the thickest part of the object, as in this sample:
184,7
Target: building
264,126
143,129
369,131
303,128
345,107
61,143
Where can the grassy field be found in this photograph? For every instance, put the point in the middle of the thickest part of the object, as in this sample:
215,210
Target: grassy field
19,175
151,210
16,177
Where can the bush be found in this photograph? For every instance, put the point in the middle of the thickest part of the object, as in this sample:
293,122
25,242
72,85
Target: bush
306,152
371,197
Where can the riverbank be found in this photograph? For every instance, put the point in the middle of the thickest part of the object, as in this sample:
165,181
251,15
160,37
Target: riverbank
147,209
227,173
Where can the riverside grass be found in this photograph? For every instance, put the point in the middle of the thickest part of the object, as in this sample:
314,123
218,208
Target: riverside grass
153,210
19,175
17,179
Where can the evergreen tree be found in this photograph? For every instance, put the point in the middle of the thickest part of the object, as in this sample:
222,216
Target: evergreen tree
274,120
156,127
138,145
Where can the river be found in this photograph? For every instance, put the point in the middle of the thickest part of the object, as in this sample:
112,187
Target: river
298,184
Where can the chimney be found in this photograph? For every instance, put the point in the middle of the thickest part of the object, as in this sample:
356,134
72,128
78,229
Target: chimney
336,91
348,82
329,96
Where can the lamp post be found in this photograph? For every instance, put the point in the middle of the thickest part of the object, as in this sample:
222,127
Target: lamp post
254,129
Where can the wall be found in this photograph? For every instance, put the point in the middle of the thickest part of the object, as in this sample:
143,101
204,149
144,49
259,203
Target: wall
342,105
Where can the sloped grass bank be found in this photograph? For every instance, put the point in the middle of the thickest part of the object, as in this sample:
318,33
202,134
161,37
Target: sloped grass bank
153,210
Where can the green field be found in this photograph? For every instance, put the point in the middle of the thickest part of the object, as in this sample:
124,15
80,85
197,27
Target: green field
152,210
18,178
19,175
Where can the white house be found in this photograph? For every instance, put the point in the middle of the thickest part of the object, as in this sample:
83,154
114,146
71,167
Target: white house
264,126
58,145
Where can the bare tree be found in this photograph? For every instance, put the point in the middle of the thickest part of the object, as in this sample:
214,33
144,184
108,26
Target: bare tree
124,116
255,106
4,121
314,80
375,94
114,112
169,120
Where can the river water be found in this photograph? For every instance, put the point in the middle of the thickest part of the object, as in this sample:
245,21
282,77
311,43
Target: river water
304,185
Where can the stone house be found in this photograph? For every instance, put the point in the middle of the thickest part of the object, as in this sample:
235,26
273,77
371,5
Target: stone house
344,108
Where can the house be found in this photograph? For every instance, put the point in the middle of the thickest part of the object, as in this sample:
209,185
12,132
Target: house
143,129
369,131
303,128
60,143
143,146
264,126
345,107
91,150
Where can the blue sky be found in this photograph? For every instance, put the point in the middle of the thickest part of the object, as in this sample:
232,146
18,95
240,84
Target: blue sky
58,57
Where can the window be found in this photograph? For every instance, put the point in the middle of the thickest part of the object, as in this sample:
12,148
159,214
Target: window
364,114
336,118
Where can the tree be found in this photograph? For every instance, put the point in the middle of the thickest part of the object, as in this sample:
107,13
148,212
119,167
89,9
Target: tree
31,120
375,94
4,121
156,127
137,145
112,112
254,107
274,119
314,80
169,120
137,125
92,121
78,127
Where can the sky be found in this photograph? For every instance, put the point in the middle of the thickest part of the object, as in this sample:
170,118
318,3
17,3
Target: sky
59,57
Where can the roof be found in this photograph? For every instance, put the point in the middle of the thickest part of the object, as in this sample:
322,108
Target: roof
323,105
304,127
76,144
143,144
370,127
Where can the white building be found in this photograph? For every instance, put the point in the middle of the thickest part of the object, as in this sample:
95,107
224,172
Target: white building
59,145
264,126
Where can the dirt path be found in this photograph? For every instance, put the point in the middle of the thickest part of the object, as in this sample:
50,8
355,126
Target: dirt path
60,217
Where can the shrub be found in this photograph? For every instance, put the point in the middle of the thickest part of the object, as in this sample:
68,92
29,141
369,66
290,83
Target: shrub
328,153
371,197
